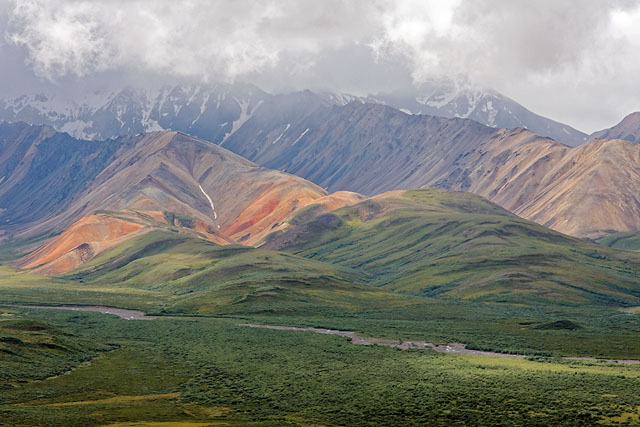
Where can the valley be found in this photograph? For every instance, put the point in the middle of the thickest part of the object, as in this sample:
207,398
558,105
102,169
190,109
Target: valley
185,371
234,284
319,213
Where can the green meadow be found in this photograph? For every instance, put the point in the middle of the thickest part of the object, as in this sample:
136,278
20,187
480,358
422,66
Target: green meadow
209,371
629,241
430,242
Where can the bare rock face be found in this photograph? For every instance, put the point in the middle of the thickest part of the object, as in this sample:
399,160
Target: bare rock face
583,191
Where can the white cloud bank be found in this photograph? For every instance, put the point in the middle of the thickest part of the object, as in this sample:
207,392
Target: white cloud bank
573,61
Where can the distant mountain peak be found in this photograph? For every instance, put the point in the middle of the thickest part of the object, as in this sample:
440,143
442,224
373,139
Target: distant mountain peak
483,105
628,129
209,111
461,98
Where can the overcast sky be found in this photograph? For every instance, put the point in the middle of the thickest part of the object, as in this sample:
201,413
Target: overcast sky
576,61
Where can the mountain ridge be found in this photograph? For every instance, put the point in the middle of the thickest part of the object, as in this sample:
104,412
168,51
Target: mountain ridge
214,112
381,149
162,179
485,106
628,129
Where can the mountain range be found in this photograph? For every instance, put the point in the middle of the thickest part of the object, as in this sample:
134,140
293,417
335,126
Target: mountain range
136,209
213,112
577,191
344,185
485,106
584,191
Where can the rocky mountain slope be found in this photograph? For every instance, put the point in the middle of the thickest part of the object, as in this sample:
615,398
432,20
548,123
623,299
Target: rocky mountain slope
51,180
484,106
41,171
628,129
585,191
102,193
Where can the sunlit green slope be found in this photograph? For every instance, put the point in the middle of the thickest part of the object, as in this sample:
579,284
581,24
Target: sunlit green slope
438,243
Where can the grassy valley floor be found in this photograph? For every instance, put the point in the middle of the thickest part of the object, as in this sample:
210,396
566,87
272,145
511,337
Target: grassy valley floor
449,268
209,371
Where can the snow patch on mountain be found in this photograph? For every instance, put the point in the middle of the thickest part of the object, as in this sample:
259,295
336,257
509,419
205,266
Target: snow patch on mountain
198,110
78,127
491,113
213,209
301,136
283,132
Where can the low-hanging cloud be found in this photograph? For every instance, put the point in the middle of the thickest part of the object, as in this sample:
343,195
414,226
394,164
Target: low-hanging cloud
572,60
209,39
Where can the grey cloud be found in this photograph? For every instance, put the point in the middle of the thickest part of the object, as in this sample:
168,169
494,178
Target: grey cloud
573,61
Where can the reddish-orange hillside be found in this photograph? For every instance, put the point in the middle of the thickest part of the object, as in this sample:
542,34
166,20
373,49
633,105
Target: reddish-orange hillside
81,242
96,233
270,211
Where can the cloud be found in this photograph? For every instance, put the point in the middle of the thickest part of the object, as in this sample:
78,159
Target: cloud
574,61
206,39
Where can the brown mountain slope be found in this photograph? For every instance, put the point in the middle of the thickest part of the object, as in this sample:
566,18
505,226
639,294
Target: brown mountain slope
167,179
98,232
170,171
590,192
628,129
587,191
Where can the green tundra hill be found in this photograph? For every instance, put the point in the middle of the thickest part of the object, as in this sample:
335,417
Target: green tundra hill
432,242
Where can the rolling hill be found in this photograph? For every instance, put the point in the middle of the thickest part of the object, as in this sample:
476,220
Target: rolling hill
629,241
343,253
432,242
186,274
